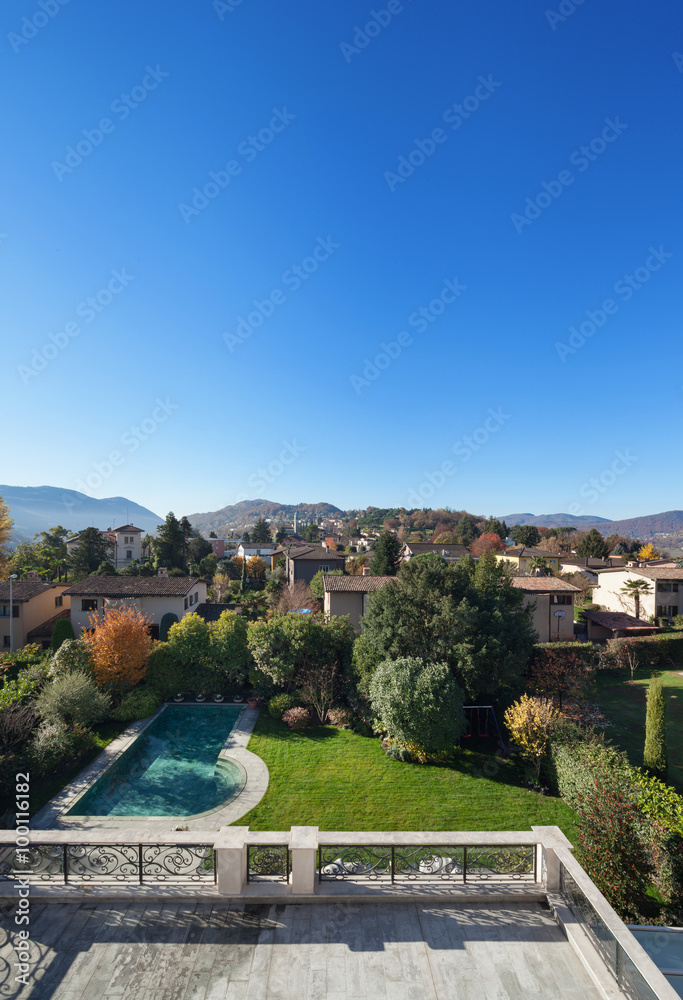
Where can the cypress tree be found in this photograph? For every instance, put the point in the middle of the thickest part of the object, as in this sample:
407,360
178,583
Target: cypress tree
63,630
655,757
243,577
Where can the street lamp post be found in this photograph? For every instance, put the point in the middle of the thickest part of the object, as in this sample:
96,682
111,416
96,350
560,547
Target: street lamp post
13,576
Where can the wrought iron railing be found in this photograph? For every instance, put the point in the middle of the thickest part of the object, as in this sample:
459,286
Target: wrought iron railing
270,863
140,863
447,863
613,953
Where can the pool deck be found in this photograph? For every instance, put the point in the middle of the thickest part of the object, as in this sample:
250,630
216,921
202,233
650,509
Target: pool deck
251,951
52,816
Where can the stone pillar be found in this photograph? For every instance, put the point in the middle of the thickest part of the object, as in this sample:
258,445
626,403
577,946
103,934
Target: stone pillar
303,844
548,865
231,859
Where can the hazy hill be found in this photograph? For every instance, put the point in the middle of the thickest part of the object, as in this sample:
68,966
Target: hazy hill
666,529
555,520
240,515
37,508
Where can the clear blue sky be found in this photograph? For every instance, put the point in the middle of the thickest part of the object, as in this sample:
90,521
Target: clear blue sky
324,141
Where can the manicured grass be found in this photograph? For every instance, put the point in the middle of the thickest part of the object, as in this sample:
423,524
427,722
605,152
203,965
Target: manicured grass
43,789
623,703
337,780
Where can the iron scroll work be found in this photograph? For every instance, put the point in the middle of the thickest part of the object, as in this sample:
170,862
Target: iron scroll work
411,863
141,863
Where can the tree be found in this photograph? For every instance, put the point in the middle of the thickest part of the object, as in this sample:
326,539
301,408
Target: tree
169,543
488,542
73,698
228,650
6,526
120,645
186,529
296,598
655,755
62,631
311,532
256,568
189,640
316,586
466,530
208,565
419,702
261,531
93,549
538,566
592,546
465,614
280,535
530,721
243,576
198,548
633,590
286,647
385,555
50,549
317,684
525,534
646,552
562,534
245,536
492,524
212,534
558,673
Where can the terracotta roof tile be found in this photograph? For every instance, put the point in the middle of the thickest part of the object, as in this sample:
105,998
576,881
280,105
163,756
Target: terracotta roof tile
354,584
543,584
133,586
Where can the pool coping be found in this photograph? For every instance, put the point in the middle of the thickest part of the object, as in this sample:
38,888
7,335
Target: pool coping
52,815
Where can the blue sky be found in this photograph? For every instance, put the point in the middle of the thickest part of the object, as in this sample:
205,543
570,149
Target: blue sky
372,301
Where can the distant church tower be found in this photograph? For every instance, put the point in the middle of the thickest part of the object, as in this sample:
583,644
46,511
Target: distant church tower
295,523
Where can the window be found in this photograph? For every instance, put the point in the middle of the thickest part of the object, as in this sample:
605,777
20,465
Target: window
89,604
129,553
58,601
667,610
324,569
664,588
560,598
5,640
196,597
15,611
4,611
186,604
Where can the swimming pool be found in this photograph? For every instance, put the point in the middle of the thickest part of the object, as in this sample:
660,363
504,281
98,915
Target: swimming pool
172,768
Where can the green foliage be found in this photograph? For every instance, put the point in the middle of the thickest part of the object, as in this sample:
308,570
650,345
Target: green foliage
611,850
316,586
261,532
655,755
419,702
92,550
139,703
73,698
593,546
492,524
662,650
466,615
466,530
23,686
56,744
228,650
281,703
168,543
286,645
164,671
661,802
189,640
588,652
166,621
72,655
62,631
385,555
525,534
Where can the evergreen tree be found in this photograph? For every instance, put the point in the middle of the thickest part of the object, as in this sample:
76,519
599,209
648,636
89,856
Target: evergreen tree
243,576
525,534
261,531
493,525
92,550
655,756
593,546
385,555
63,630
168,545
466,530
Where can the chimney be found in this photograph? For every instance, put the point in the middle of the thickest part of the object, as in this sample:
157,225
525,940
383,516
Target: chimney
33,576
162,571
366,571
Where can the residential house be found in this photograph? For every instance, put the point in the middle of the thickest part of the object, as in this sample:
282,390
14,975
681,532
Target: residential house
615,625
303,563
153,596
588,566
217,547
519,556
34,603
127,545
553,602
665,599
348,595
451,553
251,549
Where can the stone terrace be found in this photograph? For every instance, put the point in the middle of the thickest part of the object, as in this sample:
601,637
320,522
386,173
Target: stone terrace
326,951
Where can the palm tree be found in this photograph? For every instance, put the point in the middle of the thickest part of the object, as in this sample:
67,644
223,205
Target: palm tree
636,589
538,566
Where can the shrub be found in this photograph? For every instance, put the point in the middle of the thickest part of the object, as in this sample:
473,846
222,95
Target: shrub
340,717
24,686
297,718
56,744
72,655
418,702
654,756
167,620
16,724
663,650
73,698
230,658
281,703
62,631
261,684
164,671
530,721
139,703
587,652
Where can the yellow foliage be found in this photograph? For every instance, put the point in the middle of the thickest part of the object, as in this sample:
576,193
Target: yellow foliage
529,721
120,645
6,525
647,552
256,567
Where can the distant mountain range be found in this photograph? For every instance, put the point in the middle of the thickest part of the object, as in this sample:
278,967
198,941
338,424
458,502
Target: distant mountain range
240,515
665,529
37,508
555,520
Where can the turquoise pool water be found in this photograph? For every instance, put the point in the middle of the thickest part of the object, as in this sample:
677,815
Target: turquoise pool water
171,769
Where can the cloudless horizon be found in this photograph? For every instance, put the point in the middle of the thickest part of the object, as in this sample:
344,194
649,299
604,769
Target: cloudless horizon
389,254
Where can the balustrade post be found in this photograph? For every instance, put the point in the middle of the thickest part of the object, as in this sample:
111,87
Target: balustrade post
231,860
303,843
547,862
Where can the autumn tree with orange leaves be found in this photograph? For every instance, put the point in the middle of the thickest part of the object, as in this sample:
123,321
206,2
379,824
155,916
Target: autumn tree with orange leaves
490,542
120,645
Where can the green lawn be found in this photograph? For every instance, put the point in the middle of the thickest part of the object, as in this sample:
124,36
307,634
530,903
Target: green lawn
623,703
337,780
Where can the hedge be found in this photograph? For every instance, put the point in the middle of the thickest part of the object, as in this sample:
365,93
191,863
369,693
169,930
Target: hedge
578,761
663,650
588,651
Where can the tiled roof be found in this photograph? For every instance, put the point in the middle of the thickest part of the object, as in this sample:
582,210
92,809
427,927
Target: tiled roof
256,545
523,552
23,590
212,612
317,553
44,630
127,527
133,586
543,584
355,584
441,548
657,572
618,620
